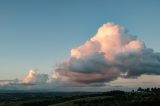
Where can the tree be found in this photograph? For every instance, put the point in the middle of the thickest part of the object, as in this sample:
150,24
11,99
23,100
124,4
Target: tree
139,89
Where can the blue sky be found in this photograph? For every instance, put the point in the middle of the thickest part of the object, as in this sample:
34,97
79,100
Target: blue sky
41,33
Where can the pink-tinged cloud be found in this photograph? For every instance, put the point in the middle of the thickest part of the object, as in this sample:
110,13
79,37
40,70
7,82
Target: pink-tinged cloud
34,77
110,54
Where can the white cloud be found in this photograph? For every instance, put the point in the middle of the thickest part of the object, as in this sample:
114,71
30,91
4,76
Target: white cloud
110,54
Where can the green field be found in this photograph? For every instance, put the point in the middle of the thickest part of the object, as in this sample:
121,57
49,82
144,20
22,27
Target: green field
141,97
117,98
82,100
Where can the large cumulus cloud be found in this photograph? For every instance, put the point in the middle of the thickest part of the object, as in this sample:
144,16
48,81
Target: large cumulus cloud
113,52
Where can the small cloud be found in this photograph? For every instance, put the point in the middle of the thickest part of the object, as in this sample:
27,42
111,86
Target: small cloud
34,77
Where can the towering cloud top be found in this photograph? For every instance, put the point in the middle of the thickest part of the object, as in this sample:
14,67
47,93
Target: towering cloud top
110,54
34,77
111,40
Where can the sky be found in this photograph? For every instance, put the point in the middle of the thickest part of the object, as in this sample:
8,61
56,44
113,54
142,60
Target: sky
41,33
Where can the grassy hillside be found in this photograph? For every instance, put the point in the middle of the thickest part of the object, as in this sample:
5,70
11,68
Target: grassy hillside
117,98
141,97
83,101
